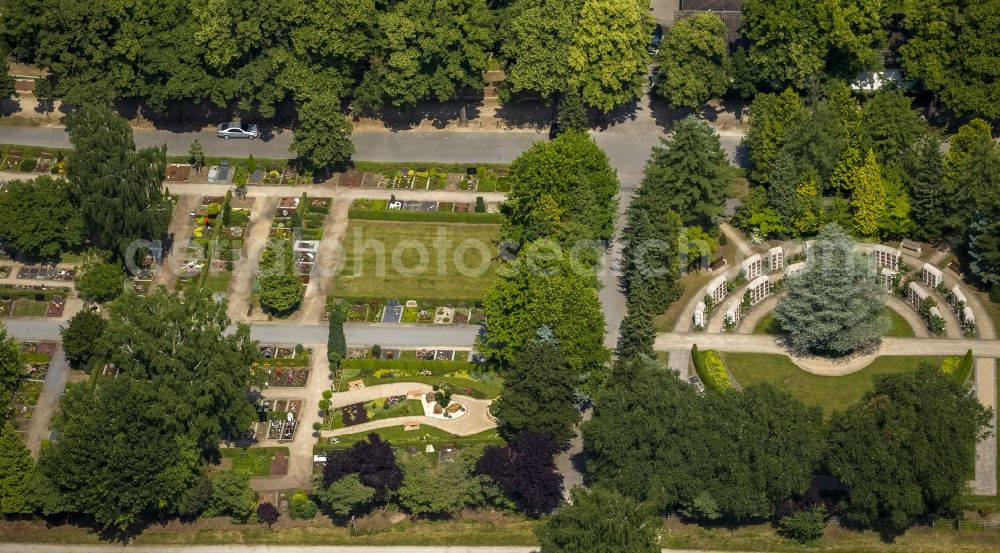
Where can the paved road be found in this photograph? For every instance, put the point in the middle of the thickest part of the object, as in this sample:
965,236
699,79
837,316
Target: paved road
386,335
627,145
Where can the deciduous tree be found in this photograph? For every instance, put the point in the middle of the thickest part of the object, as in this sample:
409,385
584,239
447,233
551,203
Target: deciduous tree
903,450
180,344
322,136
694,56
526,472
443,489
536,40
600,521
39,219
537,290
118,188
117,458
608,55
100,282
81,338
16,467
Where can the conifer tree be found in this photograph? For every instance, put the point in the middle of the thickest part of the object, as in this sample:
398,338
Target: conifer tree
869,198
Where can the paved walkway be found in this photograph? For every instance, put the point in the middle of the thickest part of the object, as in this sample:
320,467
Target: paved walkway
255,239
985,482
327,260
48,401
178,233
753,343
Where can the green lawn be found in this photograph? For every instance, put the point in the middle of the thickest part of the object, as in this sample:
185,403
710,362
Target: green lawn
898,327
28,308
372,246
254,460
218,282
832,393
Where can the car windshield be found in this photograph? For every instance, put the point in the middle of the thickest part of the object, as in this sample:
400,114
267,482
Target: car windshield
245,126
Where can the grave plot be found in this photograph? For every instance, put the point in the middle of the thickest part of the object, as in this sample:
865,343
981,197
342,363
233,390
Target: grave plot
485,179
32,301
285,217
281,416
178,172
227,243
281,366
36,356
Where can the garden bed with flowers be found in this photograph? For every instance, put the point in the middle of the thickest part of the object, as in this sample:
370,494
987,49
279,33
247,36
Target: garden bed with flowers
377,409
464,378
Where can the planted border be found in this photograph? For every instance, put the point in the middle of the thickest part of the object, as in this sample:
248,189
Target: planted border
711,370
424,216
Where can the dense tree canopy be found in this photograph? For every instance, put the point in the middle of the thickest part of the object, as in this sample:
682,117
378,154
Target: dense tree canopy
792,41
953,52
734,456
16,468
538,290
536,40
118,188
441,489
564,189
11,367
39,219
118,458
600,521
81,338
694,57
179,344
539,394
526,472
903,451
608,56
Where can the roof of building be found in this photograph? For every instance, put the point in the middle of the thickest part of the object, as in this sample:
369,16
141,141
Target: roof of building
932,269
959,296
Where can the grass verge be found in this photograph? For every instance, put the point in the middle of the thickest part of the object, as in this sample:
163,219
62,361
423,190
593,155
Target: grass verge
411,261
831,393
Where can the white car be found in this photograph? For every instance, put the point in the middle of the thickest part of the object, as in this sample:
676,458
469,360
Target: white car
237,130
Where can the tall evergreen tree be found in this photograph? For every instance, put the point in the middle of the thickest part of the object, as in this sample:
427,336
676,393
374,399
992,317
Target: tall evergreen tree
688,172
572,115
928,191
336,342
118,188
539,394
835,306
781,187
869,198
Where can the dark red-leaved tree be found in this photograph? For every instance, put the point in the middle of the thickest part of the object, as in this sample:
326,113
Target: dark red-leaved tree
525,469
267,513
373,462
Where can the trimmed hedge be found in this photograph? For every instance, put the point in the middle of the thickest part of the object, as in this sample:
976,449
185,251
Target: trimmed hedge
710,370
424,216
405,367
20,293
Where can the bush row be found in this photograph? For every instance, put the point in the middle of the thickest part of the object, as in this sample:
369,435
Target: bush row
424,216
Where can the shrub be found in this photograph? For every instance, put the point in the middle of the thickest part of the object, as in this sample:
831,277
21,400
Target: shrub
958,367
301,506
267,513
711,370
480,205
804,526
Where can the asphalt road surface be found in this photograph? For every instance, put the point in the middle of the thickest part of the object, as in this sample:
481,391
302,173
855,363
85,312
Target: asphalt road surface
386,335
